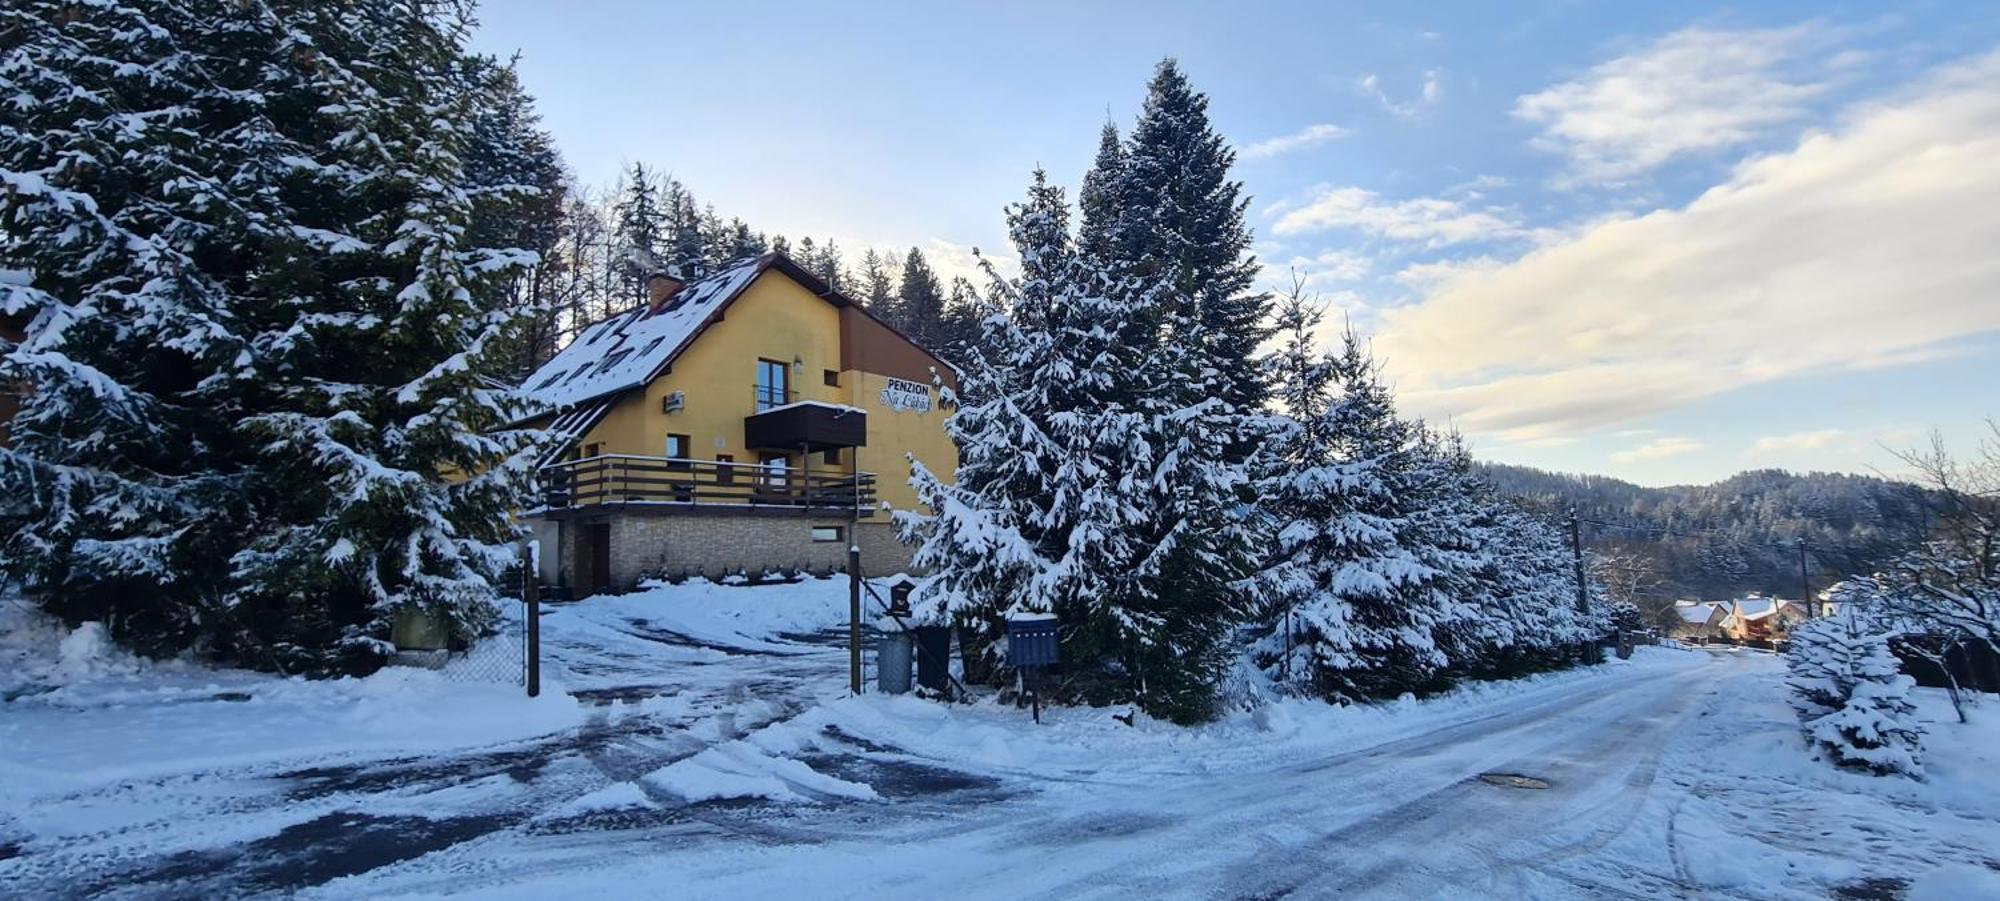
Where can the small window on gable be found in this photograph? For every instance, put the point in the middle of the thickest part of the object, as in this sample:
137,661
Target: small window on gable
831,377
826,533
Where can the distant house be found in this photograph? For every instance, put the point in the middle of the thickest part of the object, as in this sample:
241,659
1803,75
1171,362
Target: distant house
750,420
1698,620
1758,618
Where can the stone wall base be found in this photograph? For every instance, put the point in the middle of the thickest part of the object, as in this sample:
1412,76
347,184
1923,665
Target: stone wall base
711,545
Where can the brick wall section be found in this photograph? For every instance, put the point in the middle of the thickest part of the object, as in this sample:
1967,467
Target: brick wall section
715,545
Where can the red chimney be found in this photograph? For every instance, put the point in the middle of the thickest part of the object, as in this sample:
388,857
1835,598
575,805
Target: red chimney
661,288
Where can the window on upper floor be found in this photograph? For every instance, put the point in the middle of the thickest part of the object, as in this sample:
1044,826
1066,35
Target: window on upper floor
774,388
831,377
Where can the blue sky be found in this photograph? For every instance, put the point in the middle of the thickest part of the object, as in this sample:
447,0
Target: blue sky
1664,242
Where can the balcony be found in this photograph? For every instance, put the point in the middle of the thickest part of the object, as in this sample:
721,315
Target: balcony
663,484
808,426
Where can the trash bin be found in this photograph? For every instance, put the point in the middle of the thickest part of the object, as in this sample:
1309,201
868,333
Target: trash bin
934,657
892,663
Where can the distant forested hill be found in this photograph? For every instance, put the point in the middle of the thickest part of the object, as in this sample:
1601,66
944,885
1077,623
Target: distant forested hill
1735,536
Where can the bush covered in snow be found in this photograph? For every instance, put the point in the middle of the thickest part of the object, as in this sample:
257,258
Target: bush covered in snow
1852,702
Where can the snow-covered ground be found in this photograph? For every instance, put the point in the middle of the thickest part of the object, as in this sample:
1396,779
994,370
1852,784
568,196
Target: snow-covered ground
702,746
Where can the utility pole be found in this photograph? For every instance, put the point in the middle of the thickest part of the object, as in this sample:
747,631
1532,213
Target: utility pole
854,614
1576,551
1805,587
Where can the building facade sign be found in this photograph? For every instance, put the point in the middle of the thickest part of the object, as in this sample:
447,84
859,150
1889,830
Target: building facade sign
905,396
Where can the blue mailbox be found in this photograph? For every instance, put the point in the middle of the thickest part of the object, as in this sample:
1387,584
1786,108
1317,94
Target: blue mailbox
1031,642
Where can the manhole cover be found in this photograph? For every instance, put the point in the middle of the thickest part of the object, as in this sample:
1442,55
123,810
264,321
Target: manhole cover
1512,780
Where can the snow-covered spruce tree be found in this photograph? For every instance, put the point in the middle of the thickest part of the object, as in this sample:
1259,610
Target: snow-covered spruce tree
1090,483
1852,700
1178,216
1359,600
1097,200
384,479
131,184
1000,531
258,339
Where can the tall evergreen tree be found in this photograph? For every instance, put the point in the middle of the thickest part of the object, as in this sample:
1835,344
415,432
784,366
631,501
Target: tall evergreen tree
257,346
1358,612
638,235
878,286
919,300
1176,214
1098,201
1115,516
685,246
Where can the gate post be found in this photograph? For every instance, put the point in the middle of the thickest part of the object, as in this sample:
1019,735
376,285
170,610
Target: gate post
853,614
531,595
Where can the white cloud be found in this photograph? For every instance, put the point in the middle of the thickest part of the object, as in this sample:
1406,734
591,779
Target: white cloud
1428,93
1432,221
1429,275
1658,449
1814,440
1309,136
1869,244
1325,267
1692,91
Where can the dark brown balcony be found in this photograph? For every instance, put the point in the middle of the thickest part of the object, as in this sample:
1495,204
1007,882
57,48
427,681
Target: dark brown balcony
807,426
663,485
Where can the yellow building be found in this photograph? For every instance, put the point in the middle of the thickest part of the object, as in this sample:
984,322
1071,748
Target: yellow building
754,419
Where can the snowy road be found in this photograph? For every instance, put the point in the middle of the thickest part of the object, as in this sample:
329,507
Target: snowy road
1408,818
719,758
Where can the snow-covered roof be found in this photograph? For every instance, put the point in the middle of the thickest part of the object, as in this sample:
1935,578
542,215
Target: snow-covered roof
1756,607
1695,613
626,350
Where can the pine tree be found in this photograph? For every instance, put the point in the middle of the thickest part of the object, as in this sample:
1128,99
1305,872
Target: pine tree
829,267
1097,202
1358,605
685,248
523,197
919,301
278,328
878,287
637,234
1116,517
1178,215
1853,701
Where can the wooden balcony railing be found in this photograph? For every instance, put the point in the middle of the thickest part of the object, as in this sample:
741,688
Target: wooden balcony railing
622,479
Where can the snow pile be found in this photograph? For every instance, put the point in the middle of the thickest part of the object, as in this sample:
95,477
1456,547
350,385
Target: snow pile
616,796
88,651
747,617
85,712
741,769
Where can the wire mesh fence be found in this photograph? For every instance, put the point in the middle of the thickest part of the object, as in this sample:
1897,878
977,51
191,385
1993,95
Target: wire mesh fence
498,658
